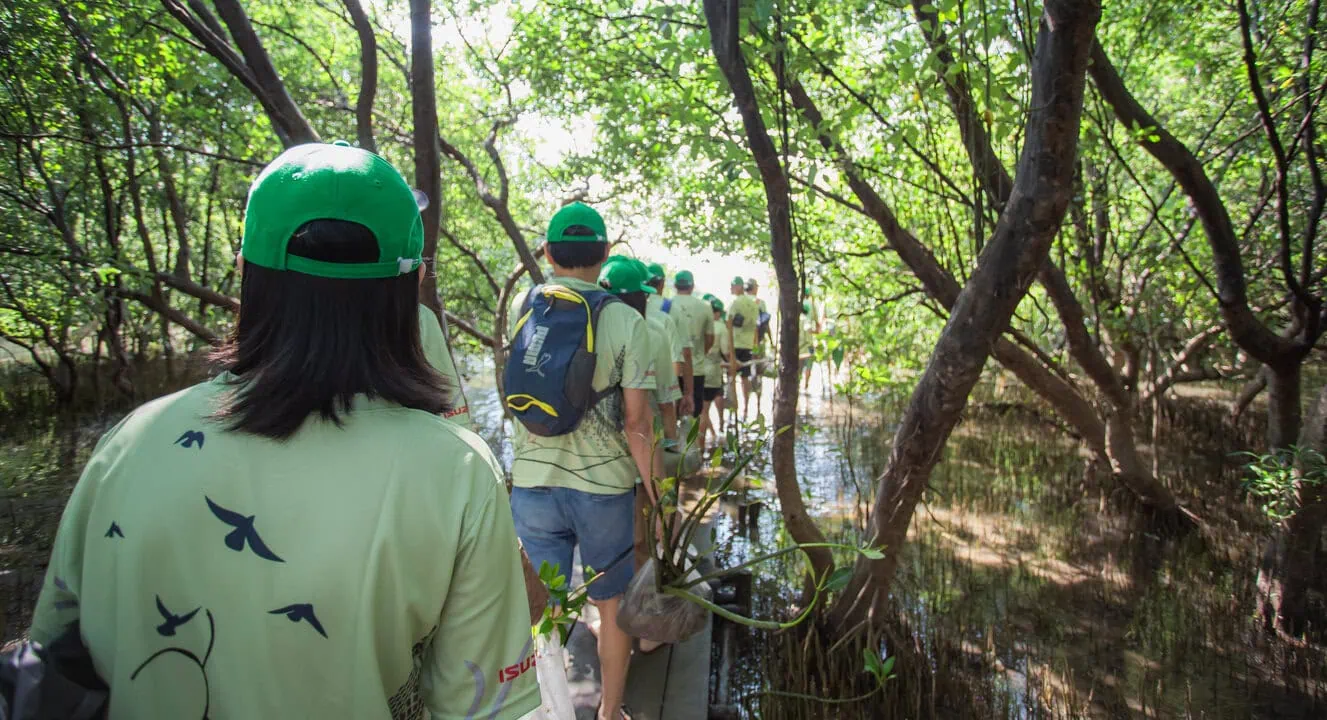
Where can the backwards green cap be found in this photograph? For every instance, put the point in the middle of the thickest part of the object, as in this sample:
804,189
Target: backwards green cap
737,281
576,222
684,280
655,271
317,181
621,275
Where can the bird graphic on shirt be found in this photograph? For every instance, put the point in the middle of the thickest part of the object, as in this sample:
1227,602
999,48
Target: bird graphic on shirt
244,532
172,620
298,612
115,531
189,438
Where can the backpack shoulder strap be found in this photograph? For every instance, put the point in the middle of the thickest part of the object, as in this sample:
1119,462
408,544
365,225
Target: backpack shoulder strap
522,315
668,305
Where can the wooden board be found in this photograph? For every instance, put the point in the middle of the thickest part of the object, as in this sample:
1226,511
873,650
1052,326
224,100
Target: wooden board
671,683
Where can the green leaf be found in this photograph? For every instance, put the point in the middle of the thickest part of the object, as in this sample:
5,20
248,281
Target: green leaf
871,553
693,434
764,11
838,579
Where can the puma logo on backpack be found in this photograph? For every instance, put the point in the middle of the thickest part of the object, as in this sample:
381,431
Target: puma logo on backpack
548,378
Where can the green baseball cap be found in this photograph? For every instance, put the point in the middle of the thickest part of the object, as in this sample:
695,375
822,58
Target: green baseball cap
655,271
737,281
707,297
621,275
684,279
318,181
806,307
716,305
584,222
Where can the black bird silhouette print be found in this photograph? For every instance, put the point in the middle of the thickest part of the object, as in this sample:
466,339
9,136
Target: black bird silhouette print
115,530
190,438
167,629
298,612
173,621
244,532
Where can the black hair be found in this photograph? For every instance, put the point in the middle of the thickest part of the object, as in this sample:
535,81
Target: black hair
574,254
655,282
635,300
306,344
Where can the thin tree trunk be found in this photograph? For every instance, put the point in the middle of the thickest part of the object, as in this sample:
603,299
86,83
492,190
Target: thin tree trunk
1251,390
1302,568
724,24
368,75
1283,405
1121,447
1007,266
428,173
274,96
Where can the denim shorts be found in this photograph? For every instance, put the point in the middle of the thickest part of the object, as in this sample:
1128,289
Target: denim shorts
552,521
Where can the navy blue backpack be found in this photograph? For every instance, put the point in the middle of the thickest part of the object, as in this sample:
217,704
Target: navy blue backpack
550,368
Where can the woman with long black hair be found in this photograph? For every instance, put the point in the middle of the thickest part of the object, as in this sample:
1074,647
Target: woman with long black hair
304,535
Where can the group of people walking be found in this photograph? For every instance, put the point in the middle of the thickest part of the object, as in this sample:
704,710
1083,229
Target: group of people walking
317,532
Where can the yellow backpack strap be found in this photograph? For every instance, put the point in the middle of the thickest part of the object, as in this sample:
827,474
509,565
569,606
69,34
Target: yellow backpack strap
564,293
522,402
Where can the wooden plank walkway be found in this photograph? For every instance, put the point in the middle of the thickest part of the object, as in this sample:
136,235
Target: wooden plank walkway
671,683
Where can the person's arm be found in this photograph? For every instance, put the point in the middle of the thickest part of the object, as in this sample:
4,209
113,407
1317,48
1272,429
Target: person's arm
732,347
637,384
482,653
688,376
640,440
439,356
668,412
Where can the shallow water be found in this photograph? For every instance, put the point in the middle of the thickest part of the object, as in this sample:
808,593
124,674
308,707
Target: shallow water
1023,580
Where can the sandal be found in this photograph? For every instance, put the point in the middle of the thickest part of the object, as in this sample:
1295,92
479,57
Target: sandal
623,711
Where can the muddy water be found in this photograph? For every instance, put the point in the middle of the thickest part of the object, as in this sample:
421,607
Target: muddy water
1024,579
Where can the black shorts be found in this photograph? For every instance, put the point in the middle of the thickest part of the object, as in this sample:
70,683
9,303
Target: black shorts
712,394
743,357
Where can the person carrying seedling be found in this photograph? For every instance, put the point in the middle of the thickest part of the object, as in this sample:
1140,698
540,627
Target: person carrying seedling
714,375
659,308
743,315
578,382
695,316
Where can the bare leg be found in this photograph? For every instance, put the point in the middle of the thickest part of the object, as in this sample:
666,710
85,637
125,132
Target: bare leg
746,397
703,435
614,657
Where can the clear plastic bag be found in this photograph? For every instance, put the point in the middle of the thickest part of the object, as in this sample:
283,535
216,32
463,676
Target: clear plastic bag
649,614
554,691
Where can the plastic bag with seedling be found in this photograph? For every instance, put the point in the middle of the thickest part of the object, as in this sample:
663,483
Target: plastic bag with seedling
565,607
669,598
